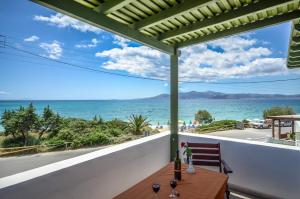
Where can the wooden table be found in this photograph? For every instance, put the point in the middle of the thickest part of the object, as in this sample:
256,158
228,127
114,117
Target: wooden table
204,184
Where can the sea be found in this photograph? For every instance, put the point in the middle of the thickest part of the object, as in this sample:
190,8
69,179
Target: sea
157,110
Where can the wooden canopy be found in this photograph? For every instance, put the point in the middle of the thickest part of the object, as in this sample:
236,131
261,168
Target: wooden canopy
293,60
169,24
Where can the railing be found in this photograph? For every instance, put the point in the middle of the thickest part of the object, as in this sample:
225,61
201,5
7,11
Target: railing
31,149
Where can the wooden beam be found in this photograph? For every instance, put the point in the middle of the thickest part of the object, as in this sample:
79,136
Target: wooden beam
82,13
294,62
294,58
174,105
243,28
296,39
113,5
292,67
246,10
172,12
295,48
273,128
294,54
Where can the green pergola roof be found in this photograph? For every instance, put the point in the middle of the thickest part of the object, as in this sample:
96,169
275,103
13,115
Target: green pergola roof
170,24
293,60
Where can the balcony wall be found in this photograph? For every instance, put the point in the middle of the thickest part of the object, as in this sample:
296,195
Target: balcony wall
266,170
100,174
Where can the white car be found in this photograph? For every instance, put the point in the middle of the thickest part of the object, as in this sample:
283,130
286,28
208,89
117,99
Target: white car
259,124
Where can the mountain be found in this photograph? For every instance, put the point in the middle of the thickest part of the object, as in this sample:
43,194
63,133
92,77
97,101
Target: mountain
219,95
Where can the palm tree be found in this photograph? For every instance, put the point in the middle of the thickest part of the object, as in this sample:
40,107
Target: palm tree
137,123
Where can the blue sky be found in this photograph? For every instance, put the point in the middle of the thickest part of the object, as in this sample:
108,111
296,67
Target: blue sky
254,56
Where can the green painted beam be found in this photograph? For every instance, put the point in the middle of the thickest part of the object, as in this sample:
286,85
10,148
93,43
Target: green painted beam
244,28
294,58
295,48
113,5
294,54
243,11
174,105
296,39
82,13
293,67
294,62
172,12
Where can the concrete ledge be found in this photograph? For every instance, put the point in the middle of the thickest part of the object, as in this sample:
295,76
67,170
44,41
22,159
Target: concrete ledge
99,174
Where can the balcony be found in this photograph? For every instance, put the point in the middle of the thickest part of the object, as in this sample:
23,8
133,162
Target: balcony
260,169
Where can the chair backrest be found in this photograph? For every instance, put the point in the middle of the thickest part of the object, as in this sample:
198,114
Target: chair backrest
206,154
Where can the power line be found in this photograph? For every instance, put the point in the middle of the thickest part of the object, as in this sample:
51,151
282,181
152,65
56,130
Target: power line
147,78
243,82
82,67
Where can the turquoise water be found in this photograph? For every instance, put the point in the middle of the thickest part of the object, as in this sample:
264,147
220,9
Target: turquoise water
157,110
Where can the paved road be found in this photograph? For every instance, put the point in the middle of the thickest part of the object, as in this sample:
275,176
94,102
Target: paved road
249,133
13,165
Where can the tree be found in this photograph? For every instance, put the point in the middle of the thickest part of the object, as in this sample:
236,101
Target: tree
275,111
49,123
137,123
8,122
20,122
203,117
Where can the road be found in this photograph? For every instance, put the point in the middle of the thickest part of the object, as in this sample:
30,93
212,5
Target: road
13,165
249,133
16,164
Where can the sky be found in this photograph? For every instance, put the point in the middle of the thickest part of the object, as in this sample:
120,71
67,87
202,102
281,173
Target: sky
54,39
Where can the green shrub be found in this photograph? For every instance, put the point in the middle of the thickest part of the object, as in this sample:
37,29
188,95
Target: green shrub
218,126
9,141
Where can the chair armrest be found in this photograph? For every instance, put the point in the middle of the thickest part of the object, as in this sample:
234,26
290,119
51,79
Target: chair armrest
226,168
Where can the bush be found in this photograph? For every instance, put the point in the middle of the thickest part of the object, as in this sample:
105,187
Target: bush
218,126
203,117
275,111
9,141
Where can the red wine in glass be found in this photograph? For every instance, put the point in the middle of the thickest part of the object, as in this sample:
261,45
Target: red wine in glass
173,184
156,188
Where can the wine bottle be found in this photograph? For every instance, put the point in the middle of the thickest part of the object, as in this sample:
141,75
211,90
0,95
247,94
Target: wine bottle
177,167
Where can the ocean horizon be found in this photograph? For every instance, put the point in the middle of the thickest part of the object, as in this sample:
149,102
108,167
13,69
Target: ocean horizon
157,110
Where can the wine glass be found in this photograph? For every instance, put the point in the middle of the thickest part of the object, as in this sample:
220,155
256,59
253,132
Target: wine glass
173,184
156,188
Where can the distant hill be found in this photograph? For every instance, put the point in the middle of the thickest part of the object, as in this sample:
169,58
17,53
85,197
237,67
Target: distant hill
219,95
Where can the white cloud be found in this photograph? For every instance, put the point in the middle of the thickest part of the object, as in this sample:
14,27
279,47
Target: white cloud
121,41
94,42
53,50
32,38
63,21
232,57
141,60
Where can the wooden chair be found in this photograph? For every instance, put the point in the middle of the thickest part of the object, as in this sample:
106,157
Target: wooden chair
206,154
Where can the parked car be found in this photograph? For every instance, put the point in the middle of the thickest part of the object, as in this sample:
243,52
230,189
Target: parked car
260,124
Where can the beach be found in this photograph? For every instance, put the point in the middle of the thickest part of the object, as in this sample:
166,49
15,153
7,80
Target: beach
156,110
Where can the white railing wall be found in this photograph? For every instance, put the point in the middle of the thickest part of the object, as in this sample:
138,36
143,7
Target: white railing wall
263,169
100,174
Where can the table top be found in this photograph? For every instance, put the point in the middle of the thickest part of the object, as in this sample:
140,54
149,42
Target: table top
203,184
